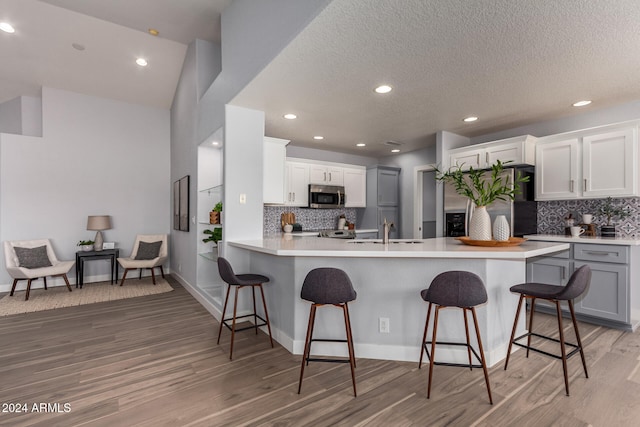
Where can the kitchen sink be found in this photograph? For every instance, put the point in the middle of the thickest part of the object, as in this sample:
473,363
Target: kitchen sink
391,241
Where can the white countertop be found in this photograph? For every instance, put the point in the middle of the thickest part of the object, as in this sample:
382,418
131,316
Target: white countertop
585,239
442,247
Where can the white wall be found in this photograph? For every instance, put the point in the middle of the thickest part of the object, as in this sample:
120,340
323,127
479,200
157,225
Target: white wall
11,116
96,157
329,156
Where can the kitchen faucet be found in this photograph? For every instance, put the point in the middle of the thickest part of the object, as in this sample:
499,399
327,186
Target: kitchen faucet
386,226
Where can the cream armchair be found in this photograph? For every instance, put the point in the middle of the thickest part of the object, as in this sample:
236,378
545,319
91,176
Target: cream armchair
32,259
149,251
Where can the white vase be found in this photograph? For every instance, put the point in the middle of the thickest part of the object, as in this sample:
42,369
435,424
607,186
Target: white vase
480,224
501,229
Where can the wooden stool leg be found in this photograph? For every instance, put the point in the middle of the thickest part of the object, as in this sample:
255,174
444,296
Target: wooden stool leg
575,328
562,349
266,315
255,313
233,322
484,363
513,331
347,326
466,331
533,310
353,354
433,350
424,336
307,344
224,310
13,288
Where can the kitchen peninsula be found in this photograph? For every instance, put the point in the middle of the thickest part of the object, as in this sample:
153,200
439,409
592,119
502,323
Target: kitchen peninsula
388,279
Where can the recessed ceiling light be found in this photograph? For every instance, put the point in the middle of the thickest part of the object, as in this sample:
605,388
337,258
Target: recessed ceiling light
153,31
470,119
215,143
361,144
383,89
141,62
318,137
581,103
77,46
290,116
395,150
7,28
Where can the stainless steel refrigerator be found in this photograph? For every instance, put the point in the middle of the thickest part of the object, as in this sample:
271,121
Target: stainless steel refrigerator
521,213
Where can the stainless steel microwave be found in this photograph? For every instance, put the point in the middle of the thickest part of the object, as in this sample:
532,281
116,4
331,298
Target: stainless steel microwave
326,196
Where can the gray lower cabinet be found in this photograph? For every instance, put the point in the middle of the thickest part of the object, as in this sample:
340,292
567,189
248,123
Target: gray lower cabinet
607,300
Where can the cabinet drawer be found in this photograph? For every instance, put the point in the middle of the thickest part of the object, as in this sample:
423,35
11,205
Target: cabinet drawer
601,253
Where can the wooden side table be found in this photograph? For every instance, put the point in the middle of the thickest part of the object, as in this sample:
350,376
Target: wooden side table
82,256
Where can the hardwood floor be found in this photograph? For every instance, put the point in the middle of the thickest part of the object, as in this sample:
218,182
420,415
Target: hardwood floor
153,361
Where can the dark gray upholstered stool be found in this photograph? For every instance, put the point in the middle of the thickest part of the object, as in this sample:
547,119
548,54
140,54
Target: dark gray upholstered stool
240,281
460,289
324,286
578,283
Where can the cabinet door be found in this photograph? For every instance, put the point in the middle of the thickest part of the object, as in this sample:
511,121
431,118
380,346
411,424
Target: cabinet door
469,158
557,170
318,174
388,188
355,188
607,164
554,271
297,184
335,176
505,153
274,170
608,293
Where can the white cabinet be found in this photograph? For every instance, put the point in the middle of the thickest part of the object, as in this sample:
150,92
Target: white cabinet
516,151
296,184
327,175
557,170
588,164
355,187
608,161
273,166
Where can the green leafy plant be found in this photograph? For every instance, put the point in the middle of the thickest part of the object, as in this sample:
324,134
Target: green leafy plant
215,235
85,242
483,191
610,211
218,207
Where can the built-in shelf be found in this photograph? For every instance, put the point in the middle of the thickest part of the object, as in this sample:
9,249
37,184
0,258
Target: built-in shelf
209,224
210,190
212,256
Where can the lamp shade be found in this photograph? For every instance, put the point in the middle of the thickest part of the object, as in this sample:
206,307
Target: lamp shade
99,222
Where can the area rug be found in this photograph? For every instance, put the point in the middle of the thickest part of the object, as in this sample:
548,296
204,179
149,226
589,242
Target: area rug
59,296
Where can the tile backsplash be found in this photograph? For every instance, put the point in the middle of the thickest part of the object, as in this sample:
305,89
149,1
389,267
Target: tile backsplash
310,219
551,215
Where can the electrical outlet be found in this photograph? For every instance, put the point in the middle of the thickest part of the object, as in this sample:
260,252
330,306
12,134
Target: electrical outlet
383,325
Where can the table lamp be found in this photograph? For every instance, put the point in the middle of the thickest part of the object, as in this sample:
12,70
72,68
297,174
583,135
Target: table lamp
98,223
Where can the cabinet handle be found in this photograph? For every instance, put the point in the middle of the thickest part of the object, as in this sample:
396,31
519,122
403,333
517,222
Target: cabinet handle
571,187
486,157
329,176
294,196
585,184
325,176
564,272
602,253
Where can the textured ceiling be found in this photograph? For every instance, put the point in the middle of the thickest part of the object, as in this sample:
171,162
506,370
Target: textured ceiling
509,62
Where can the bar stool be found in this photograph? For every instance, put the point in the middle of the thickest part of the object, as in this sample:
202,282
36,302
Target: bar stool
240,281
460,289
324,286
577,285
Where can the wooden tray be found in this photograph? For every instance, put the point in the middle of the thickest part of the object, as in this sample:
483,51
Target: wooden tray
513,241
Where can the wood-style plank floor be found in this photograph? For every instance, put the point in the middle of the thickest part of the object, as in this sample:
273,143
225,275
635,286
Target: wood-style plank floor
153,361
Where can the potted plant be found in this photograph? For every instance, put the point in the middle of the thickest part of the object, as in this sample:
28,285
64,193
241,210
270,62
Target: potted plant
214,215
215,236
482,191
608,210
86,245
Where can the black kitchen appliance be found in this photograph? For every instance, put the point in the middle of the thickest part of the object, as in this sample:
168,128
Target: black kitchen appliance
326,196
